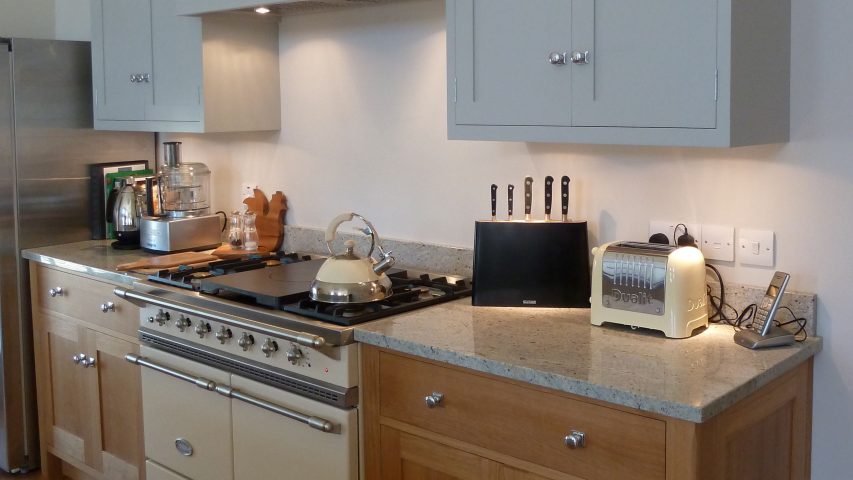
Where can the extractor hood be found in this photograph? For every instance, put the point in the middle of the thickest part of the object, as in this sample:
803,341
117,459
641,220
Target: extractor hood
287,7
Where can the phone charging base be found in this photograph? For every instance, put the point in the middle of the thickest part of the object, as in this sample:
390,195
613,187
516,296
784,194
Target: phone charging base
775,338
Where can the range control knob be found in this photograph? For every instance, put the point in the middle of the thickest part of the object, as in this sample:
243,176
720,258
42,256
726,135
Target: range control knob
162,317
223,334
202,328
183,322
294,354
269,347
246,341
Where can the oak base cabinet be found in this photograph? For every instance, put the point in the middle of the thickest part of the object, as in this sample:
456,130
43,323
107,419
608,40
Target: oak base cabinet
89,397
428,420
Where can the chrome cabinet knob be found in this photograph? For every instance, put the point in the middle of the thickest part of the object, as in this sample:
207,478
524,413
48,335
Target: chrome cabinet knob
184,447
434,400
269,347
87,361
183,322
557,58
223,334
575,440
580,58
133,78
162,317
202,328
146,77
78,358
108,307
246,341
55,292
294,354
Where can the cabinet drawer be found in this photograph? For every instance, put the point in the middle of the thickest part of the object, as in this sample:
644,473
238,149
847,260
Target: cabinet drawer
522,422
82,298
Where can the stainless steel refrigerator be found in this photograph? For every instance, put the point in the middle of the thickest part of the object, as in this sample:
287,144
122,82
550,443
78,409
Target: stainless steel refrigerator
46,143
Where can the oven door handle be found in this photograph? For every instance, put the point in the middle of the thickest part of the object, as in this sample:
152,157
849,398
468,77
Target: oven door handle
197,381
313,422
301,338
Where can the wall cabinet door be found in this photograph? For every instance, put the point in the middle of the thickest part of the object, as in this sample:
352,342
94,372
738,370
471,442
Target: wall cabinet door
651,64
176,57
121,49
504,75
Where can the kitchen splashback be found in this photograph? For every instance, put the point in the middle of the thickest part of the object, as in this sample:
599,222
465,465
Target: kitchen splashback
459,261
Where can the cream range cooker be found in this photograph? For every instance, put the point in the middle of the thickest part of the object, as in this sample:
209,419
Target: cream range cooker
237,383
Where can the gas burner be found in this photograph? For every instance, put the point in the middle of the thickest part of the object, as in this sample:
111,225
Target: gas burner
268,282
408,293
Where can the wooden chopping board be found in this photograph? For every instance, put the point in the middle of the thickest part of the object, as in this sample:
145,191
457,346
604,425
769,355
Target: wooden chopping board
225,252
270,218
166,261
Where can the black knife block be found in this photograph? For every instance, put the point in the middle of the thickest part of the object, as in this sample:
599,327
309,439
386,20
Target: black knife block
531,264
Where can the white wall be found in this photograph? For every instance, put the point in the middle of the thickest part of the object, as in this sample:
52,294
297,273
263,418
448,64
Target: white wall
364,129
47,19
27,18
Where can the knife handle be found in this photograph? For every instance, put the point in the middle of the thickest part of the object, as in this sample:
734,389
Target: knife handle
564,196
528,196
494,201
509,190
549,181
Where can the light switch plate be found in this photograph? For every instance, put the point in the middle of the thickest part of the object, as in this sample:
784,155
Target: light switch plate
718,242
756,247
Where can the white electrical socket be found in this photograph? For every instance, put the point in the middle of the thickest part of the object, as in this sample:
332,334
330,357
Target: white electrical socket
718,242
667,227
756,247
247,190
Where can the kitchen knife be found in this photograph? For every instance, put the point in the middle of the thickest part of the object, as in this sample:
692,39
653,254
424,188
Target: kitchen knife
494,202
509,190
528,197
549,180
564,197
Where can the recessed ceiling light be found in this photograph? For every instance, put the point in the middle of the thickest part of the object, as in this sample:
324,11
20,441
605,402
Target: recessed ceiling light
262,10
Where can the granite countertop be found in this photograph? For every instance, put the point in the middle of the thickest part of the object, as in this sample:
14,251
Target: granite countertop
92,257
691,379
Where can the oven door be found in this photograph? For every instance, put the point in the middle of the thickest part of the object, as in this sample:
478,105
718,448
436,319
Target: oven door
271,445
187,428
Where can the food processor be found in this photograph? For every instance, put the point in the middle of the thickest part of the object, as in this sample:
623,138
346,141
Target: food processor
181,220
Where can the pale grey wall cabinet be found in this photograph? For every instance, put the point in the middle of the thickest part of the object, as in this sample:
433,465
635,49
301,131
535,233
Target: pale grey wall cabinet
153,70
711,73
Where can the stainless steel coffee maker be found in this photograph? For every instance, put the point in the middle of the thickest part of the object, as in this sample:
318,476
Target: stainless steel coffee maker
181,220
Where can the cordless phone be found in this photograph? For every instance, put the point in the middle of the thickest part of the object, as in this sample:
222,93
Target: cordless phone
760,332
766,310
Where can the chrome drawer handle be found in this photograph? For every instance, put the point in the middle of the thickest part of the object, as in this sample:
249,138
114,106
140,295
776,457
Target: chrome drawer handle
575,440
433,400
87,362
78,358
55,292
108,307
184,447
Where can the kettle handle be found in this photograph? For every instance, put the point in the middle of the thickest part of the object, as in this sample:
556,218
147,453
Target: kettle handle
332,230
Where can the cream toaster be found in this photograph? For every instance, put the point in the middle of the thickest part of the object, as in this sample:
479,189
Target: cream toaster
659,287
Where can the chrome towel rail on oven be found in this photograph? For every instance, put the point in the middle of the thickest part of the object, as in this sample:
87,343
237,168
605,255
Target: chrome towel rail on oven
311,421
301,338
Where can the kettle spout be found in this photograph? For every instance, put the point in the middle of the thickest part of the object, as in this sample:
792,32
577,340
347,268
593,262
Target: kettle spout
384,264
